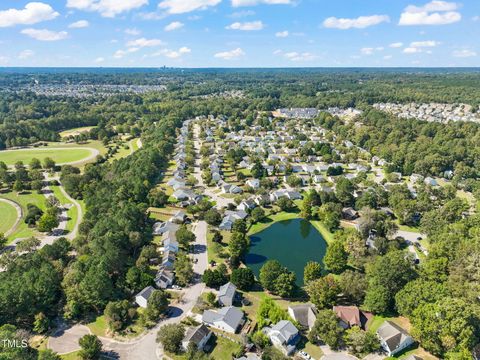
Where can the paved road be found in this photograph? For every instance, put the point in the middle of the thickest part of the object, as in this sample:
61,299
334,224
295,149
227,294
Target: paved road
18,208
412,238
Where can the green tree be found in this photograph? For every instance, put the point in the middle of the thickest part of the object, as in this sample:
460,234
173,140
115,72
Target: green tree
183,269
48,163
213,217
171,336
117,314
285,284
91,347
257,214
416,293
184,236
312,271
326,329
361,342
269,272
47,222
41,323
323,292
260,339
48,354
354,286
336,257
157,305
243,278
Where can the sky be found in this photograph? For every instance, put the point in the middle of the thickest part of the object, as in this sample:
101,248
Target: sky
239,33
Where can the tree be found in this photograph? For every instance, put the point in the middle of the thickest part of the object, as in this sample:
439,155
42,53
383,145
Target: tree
48,354
285,284
336,257
136,279
37,185
18,186
260,339
285,204
21,351
28,245
323,292
184,236
239,226
449,325
326,329
215,278
183,269
211,298
213,217
361,342
41,323
243,278
238,246
118,314
35,164
386,276
47,222
171,336
48,163
312,271
3,240
416,293
344,191
257,214
157,305
330,214
91,347
353,285
269,272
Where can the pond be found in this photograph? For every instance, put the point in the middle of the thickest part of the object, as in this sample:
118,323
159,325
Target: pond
292,242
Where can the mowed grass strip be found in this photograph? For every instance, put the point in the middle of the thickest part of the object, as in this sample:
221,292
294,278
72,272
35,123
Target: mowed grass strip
72,213
60,156
8,217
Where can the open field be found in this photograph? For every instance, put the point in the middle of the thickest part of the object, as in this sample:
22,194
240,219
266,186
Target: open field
8,214
59,155
75,131
23,199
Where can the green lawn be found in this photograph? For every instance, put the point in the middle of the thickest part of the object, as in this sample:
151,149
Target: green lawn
75,131
326,234
72,213
59,155
224,348
214,250
71,356
378,320
8,214
270,220
23,230
98,327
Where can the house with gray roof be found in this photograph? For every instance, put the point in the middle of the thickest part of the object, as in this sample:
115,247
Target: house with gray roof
393,338
227,319
142,297
283,335
198,335
226,294
304,314
164,278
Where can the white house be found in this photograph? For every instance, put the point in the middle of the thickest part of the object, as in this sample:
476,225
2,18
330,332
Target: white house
226,294
226,319
197,335
283,335
142,297
393,338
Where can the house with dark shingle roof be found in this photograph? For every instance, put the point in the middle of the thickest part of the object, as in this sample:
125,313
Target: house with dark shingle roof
304,314
393,338
142,297
197,335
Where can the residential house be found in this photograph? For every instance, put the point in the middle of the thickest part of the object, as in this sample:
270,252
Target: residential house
227,319
168,260
160,228
230,217
227,294
246,205
352,316
198,335
349,213
303,314
283,335
179,217
164,278
170,242
393,338
253,183
142,297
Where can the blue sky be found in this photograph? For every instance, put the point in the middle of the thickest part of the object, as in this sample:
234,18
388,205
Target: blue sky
239,33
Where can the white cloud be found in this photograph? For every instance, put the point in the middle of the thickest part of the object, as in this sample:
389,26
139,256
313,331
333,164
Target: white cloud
173,54
185,6
132,31
282,34
174,26
412,50
229,55
367,50
79,24
34,12
243,13
45,35
387,57
25,54
428,43
295,56
433,13
143,42
246,26
464,53
121,53
107,8
476,18
99,60
396,45
357,23
237,3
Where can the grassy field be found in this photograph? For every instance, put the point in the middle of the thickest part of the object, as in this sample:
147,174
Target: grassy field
270,220
224,348
75,131
8,215
23,230
10,157
326,234
378,320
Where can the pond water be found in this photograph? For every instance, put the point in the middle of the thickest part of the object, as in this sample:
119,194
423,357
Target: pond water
292,242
